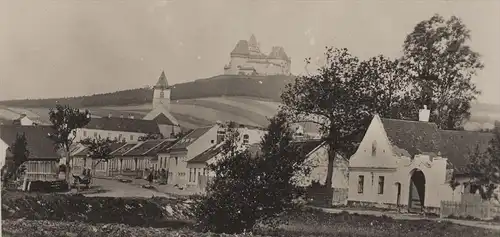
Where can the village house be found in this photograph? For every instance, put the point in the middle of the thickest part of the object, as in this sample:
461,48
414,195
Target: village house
409,164
43,157
198,166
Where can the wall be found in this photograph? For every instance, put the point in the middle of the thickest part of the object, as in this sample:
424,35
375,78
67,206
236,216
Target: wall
83,133
394,170
262,66
3,152
165,101
42,170
318,160
25,121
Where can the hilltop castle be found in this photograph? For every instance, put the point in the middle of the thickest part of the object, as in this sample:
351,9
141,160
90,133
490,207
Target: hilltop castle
247,59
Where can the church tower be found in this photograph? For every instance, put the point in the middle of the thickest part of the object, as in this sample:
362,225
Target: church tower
161,94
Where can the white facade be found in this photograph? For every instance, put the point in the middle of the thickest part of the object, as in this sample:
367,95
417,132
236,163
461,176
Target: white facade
83,133
378,176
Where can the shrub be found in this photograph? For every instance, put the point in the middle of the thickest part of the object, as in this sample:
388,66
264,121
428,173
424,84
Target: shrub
252,186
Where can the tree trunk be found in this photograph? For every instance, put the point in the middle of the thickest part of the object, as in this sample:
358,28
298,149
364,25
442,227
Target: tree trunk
331,162
68,168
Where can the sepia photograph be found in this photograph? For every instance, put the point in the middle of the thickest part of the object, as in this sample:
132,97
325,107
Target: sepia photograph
291,118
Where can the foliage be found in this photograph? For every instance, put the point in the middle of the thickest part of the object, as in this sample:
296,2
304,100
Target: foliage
99,149
223,85
182,133
343,96
150,136
441,66
65,120
13,165
484,167
251,187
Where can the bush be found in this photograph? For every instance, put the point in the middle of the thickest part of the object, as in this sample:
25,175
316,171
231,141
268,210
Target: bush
48,186
252,186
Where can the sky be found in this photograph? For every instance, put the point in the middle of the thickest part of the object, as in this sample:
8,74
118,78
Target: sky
52,48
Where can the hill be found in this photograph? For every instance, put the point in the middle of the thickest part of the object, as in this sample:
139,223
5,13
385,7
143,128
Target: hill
263,87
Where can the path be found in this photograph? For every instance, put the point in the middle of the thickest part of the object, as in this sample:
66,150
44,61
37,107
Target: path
402,216
118,189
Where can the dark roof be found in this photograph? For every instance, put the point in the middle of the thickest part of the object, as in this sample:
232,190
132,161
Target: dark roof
162,82
307,146
187,140
458,145
39,144
124,149
160,147
413,137
162,119
114,146
241,48
143,148
124,125
207,154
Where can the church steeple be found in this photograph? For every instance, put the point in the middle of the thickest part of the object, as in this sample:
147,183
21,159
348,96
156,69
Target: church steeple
162,82
161,93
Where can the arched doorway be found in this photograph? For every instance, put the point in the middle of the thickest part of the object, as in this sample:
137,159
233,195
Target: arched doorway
416,200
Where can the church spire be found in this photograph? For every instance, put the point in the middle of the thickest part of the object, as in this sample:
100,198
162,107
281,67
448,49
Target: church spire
162,82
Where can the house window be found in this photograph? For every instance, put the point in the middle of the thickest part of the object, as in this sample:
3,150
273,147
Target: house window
131,137
374,148
381,180
190,175
212,141
246,139
361,182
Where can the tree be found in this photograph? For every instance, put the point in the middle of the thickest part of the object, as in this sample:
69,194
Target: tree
484,167
441,65
99,149
150,136
336,99
387,88
19,155
252,187
65,120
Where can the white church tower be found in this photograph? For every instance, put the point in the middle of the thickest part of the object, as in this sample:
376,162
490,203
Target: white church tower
161,94
168,125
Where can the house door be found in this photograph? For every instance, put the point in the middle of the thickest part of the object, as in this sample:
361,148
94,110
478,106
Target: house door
416,201
398,197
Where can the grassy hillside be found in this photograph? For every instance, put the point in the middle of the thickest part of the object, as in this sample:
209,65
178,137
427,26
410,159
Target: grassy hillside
263,87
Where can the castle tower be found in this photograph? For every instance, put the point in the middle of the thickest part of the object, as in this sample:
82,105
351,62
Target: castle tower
253,45
161,94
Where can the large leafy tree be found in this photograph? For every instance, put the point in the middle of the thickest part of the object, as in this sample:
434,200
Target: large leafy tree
441,64
65,121
249,187
342,97
484,167
99,149
18,156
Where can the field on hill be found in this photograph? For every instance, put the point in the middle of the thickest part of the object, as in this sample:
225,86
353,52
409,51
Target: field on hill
263,87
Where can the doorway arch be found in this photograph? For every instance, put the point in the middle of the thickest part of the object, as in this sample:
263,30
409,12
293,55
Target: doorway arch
416,200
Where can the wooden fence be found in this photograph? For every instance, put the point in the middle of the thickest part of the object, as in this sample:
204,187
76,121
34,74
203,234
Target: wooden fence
483,210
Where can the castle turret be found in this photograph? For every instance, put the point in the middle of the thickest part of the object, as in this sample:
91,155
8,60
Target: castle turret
161,94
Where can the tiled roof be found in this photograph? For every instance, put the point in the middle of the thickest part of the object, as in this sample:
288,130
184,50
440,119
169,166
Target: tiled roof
241,48
413,137
124,149
143,147
162,119
207,154
124,125
114,146
187,140
160,147
39,144
162,82
457,145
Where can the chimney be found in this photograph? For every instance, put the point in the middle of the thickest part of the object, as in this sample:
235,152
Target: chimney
109,115
423,114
